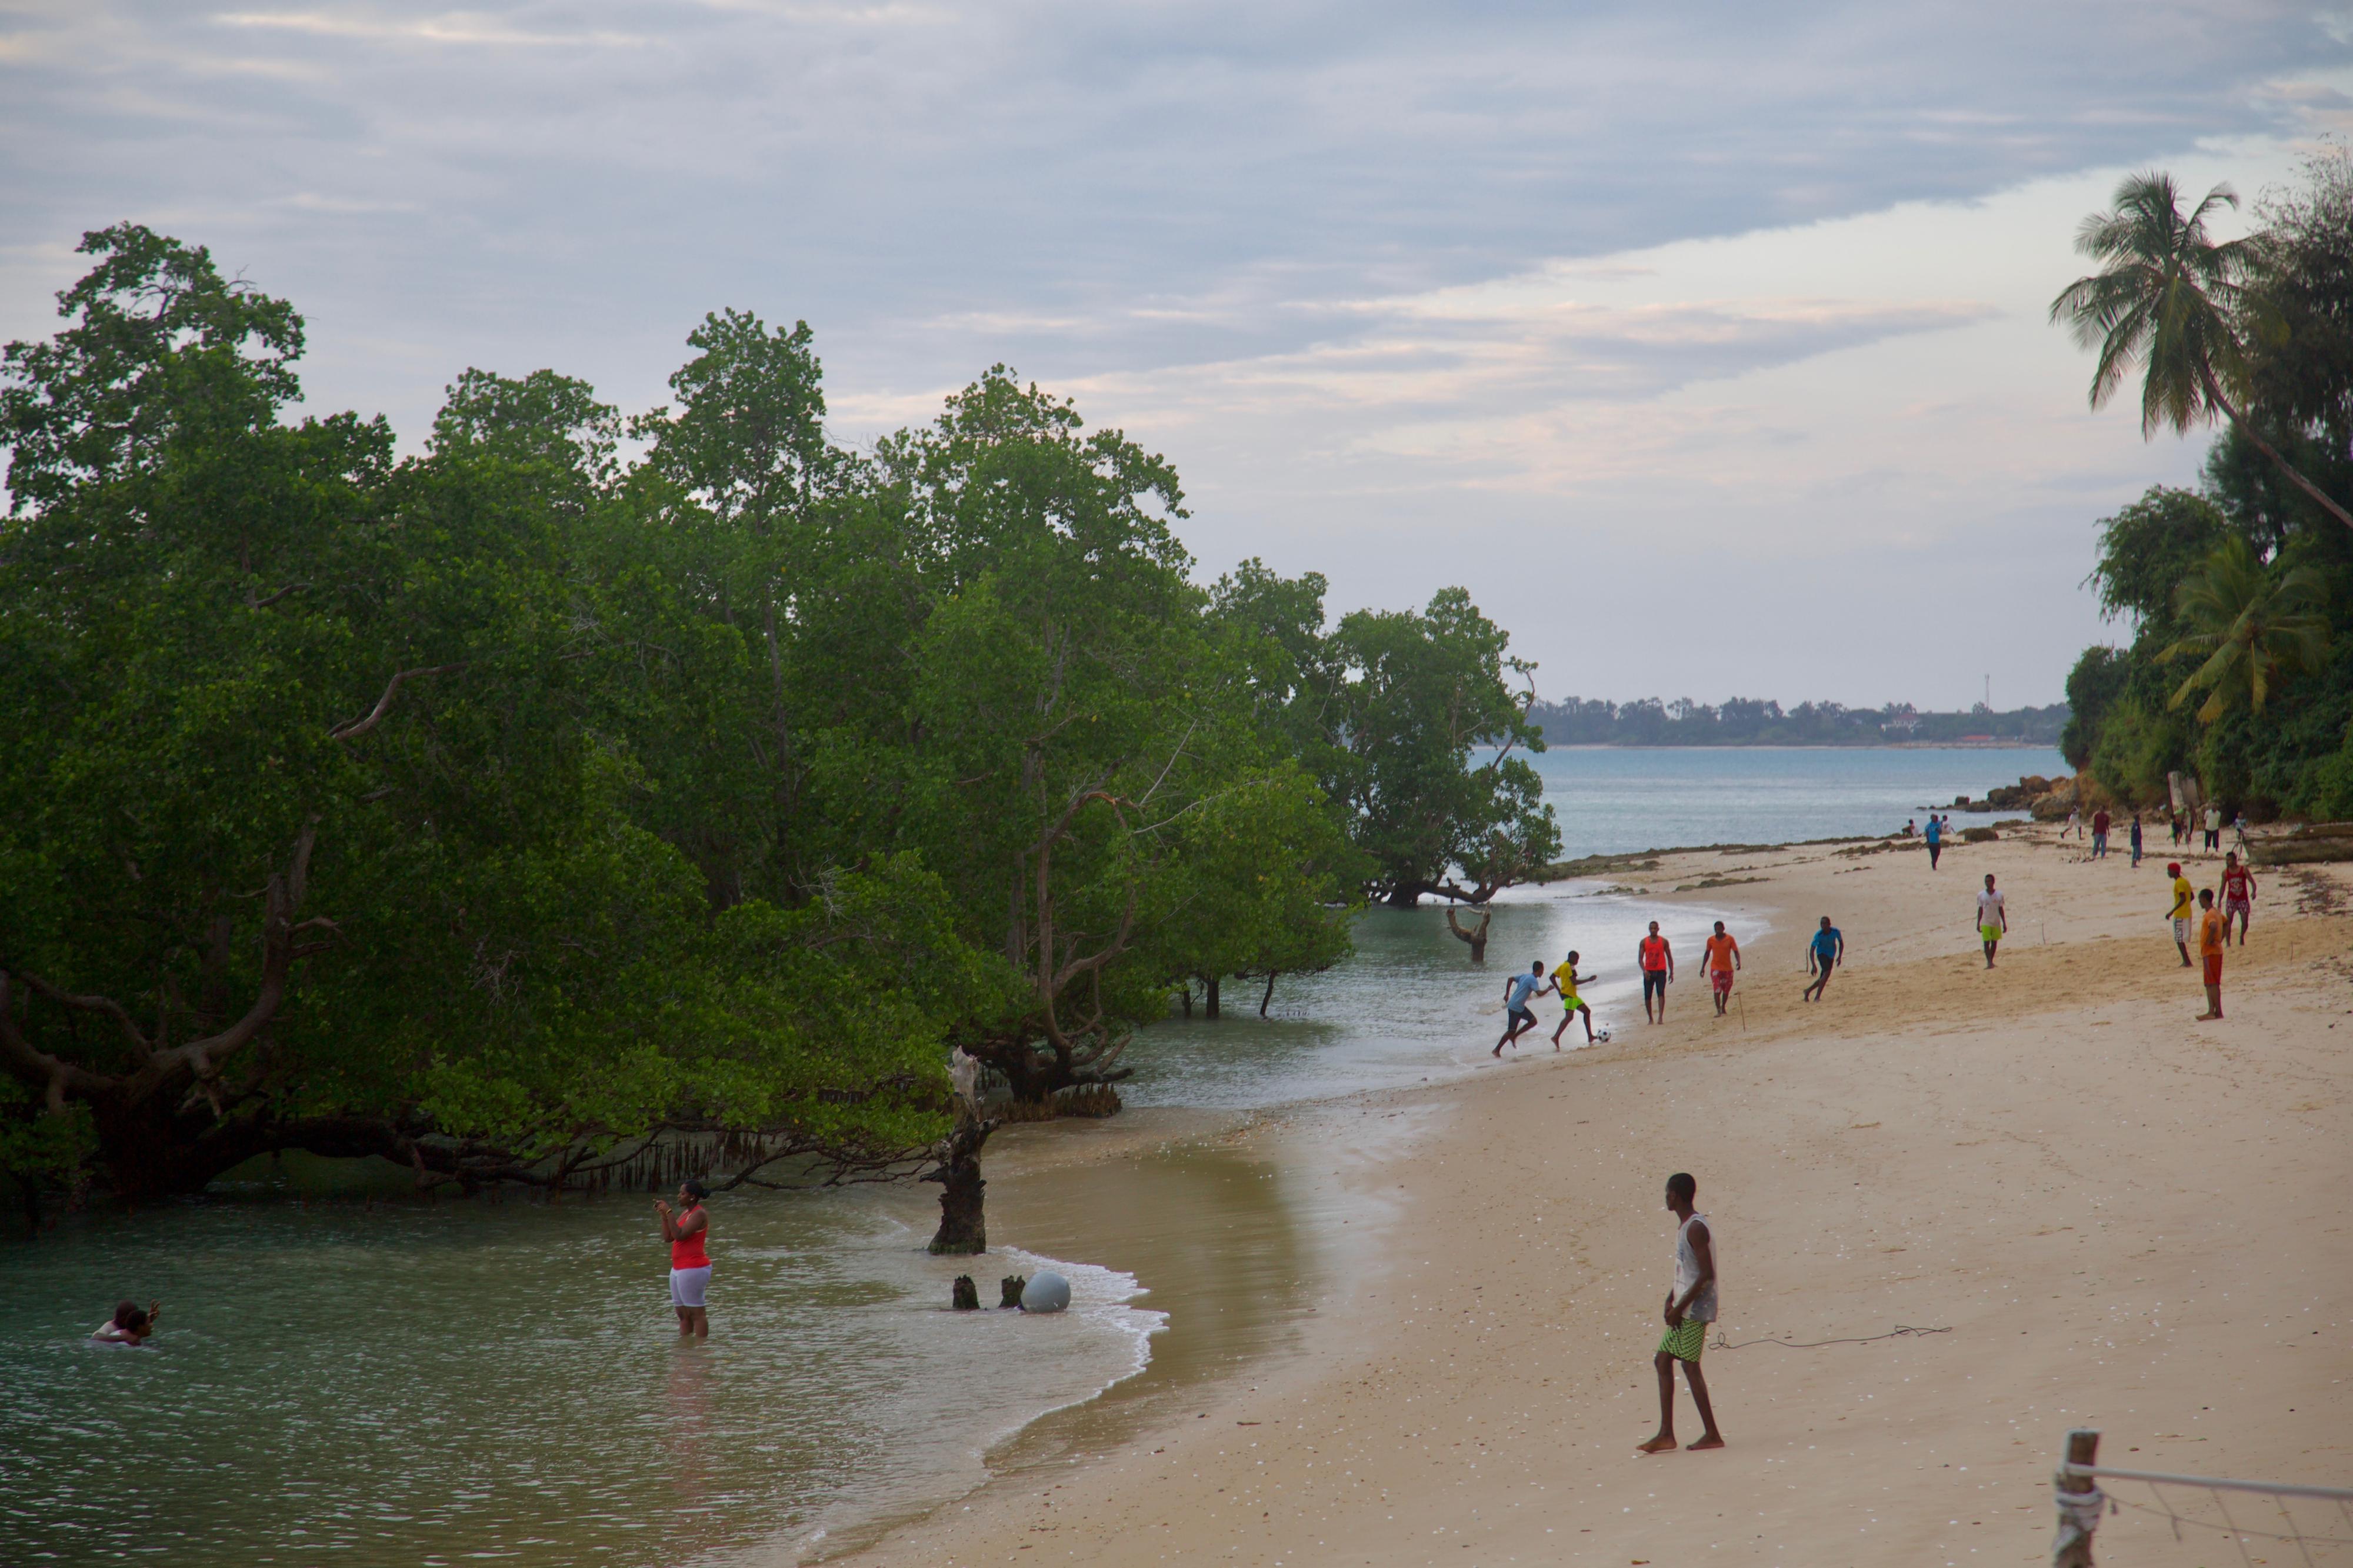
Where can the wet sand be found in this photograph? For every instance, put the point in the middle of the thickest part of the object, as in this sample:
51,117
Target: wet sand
1416,1327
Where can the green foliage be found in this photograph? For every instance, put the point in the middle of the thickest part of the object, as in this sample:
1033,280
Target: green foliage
2184,307
1411,695
483,810
2249,625
2098,680
2148,548
2164,300
2253,578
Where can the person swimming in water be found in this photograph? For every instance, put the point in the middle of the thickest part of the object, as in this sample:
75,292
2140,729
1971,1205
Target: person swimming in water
131,1325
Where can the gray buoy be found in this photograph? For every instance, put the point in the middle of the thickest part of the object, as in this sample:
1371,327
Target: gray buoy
1046,1292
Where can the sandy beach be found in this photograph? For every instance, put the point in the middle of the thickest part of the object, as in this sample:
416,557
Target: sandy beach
2111,1215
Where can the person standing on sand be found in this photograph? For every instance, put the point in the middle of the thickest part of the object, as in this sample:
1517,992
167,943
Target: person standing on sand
1722,959
1936,838
2100,821
1993,919
2184,901
1825,952
2135,840
1657,963
1691,1308
2211,926
2074,829
687,1231
1517,1019
1564,983
2238,897
2213,827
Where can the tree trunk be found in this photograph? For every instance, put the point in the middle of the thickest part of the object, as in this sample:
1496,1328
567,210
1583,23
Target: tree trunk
1476,936
1270,992
1209,982
1185,997
962,1230
2214,390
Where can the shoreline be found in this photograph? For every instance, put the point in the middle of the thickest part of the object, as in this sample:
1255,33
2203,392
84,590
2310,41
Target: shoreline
1495,1299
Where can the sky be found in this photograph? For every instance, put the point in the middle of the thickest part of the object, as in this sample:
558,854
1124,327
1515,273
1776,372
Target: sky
1705,344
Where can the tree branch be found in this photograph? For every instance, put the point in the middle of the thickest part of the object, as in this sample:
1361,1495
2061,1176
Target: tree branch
354,728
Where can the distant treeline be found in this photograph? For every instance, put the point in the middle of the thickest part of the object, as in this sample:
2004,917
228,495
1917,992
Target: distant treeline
1743,722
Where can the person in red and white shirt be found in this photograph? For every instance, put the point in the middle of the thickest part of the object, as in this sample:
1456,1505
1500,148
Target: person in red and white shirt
2238,897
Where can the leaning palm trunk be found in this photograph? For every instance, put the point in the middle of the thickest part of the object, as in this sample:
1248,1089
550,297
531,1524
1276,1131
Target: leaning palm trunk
2222,401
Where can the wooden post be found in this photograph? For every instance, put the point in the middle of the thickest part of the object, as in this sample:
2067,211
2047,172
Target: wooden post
2079,1502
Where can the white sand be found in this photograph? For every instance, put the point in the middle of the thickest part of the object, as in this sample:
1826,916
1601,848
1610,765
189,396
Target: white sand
2125,1219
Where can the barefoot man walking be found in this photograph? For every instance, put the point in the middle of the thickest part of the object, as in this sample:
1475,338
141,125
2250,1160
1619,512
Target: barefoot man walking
1657,963
1993,919
1691,1308
1722,959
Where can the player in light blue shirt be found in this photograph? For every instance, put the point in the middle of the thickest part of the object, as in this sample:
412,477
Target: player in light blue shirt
1518,1019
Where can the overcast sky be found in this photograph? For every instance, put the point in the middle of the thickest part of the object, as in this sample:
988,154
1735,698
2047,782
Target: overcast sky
1703,342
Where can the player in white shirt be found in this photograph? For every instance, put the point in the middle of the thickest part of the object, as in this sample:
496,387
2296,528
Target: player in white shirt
1993,919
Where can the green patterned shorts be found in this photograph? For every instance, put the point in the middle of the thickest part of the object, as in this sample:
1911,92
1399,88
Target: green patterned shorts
1686,1341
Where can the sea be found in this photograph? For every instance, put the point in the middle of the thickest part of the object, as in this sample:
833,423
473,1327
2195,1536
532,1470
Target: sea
347,1376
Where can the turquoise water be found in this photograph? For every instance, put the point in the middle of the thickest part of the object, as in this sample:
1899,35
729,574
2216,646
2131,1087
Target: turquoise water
1611,800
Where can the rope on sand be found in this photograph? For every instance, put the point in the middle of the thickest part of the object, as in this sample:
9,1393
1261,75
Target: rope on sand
1724,1343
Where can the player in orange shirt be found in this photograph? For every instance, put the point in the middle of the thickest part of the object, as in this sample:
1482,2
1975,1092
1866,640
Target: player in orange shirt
2209,948
1723,958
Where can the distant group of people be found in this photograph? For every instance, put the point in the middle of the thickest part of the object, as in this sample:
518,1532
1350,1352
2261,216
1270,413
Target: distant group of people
1655,960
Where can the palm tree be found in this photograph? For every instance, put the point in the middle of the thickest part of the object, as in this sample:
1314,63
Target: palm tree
2169,297
2248,626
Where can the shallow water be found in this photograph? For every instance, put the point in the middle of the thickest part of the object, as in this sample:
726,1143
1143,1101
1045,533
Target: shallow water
1410,1006
478,1381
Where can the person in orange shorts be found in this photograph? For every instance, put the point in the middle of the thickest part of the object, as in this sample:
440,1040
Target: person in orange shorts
2209,948
1722,959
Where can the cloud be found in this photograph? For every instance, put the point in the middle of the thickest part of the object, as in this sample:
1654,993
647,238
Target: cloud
457,27
1759,280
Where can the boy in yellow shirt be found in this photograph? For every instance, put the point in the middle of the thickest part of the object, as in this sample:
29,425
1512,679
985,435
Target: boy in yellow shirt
2183,903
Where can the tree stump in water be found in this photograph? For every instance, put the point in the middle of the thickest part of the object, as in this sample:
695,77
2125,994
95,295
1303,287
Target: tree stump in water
1009,1290
963,1230
1476,937
964,1296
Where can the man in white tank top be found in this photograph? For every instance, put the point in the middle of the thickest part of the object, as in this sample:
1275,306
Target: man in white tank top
1691,1308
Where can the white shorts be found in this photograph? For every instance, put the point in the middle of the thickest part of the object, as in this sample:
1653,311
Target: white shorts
2181,927
688,1285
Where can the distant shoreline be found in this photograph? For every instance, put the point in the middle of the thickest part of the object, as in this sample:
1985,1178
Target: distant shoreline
1800,746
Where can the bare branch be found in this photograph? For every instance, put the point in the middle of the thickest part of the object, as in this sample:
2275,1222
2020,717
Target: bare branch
253,604
105,1005
32,1065
356,728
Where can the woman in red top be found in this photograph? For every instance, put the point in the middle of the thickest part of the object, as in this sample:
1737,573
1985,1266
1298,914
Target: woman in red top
1657,962
689,1262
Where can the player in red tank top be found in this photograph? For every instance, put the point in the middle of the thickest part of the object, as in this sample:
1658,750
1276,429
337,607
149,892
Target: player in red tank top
690,1258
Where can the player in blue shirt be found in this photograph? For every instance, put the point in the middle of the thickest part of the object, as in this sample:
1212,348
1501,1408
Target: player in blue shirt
1518,1018
1827,950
